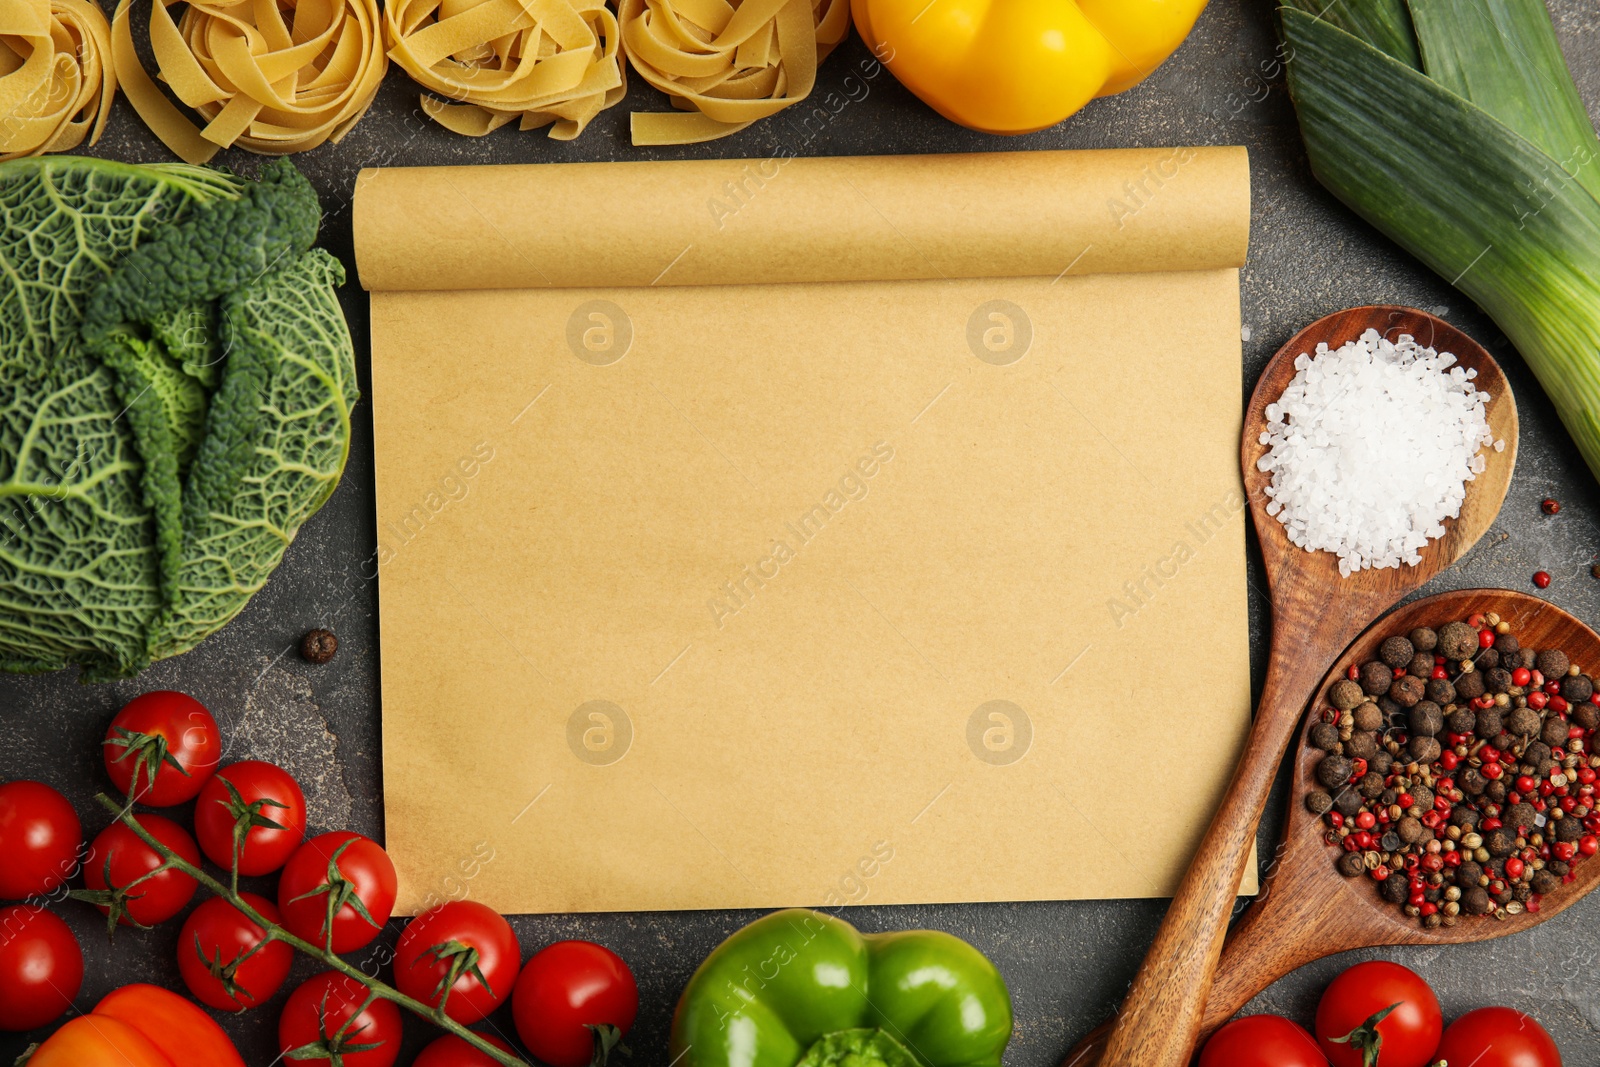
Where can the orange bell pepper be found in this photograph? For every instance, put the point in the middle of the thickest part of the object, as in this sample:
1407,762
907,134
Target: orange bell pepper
139,1026
1015,66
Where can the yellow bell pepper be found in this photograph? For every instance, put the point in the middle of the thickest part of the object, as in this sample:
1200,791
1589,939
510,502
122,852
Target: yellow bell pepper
1015,66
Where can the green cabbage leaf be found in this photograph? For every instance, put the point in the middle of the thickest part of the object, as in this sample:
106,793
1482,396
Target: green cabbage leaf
176,380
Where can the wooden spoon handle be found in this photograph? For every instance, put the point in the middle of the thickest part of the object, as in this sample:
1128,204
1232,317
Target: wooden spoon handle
1160,1020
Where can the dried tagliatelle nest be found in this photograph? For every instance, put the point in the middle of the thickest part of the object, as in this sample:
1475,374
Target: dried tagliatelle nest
57,81
271,76
726,63
550,63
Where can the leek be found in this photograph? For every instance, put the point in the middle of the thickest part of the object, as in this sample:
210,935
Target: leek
1468,145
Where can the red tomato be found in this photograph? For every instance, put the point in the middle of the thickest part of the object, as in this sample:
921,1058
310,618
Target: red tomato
92,1041
262,793
364,876
40,840
1408,1034
182,1032
119,850
1498,1037
466,937
451,1051
41,967
168,735
567,988
214,936
1262,1041
331,999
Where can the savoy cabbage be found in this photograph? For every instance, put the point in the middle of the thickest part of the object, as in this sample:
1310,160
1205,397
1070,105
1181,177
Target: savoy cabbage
176,379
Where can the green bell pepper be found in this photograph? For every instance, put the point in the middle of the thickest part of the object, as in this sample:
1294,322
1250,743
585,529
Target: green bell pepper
799,988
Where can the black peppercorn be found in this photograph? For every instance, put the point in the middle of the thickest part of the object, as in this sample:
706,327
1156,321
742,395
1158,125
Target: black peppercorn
1457,640
1318,802
1536,753
1496,790
1396,652
1347,801
1441,691
1406,690
1522,722
1421,666
1421,797
1334,771
1389,797
1325,735
1508,646
1567,829
1475,901
1520,817
1381,762
1387,705
318,646
1553,663
1522,892
1586,716
1351,864
1465,817
1462,721
1559,868
1390,842
1376,678
1371,785
1424,749
1527,658
1345,694
1503,742
1554,731
1498,679
1367,717
1471,781
1576,688
1468,873
1500,842
1544,882
1469,686
1426,718
1362,745
1488,660
1423,639
1394,889
1489,723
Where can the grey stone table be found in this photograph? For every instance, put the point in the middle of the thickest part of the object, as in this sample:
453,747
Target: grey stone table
1067,963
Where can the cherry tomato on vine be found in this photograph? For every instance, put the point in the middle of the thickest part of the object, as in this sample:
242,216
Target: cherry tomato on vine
40,840
168,741
1405,1037
260,799
565,990
321,1020
1262,1041
344,872
220,945
41,967
1498,1037
119,850
451,1051
464,947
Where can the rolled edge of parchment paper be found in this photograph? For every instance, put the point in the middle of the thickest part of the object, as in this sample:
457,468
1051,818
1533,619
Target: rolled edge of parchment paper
783,220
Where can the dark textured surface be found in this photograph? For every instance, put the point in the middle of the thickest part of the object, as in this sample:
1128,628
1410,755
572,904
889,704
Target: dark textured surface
1067,963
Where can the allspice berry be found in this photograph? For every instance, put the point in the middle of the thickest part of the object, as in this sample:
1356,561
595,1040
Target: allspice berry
1500,842
1362,745
1498,680
1318,802
1469,685
1465,817
1345,694
1462,721
1586,716
1577,688
1507,645
1544,882
1409,829
1381,762
1325,735
1423,749
1407,690
1421,798
1396,652
1468,873
1520,816
1371,785
1496,790
1393,889
1475,901
1488,722
1351,864
1522,722
1375,678
1471,781
1426,718
1457,640
319,646
1368,717
1487,660
1441,691
1553,663
1567,830
1347,801
1554,731
1423,639
1421,666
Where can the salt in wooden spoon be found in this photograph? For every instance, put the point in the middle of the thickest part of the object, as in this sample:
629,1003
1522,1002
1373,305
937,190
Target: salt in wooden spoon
1315,615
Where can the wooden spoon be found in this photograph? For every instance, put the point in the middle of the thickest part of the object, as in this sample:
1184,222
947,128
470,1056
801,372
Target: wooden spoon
1315,615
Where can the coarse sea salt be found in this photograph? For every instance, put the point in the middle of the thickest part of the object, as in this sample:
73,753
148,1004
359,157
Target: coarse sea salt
1370,448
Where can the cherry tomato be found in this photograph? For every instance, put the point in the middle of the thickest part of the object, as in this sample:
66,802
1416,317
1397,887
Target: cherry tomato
327,1005
120,851
364,875
1262,1041
1408,1034
168,735
451,1051
470,939
92,1041
1498,1037
215,935
183,1033
262,793
567,988
40,840
41,967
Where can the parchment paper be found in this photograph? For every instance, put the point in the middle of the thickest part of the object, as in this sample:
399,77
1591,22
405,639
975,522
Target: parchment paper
873,534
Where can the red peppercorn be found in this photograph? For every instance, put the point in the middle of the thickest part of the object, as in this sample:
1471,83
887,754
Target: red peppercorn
1591,823
1589,844
1563,851
1485,638
1525,784
1366,820
1405,800
1349,844
1335,819
1575,732
1533,903
1586,775
1490,823
1521,676
1594,698
1449,760
1537,700
1428,908
1432,862
1417,900
1452,859
1438,661
1441,804
1553,686
1559,703
1568,803
1358,769
1550,505
1476,620
1439,674
1541,579
1354,673
1380,873
1538,678
1514,867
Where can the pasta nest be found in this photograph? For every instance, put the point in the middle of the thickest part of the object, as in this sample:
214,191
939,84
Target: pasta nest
56,79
